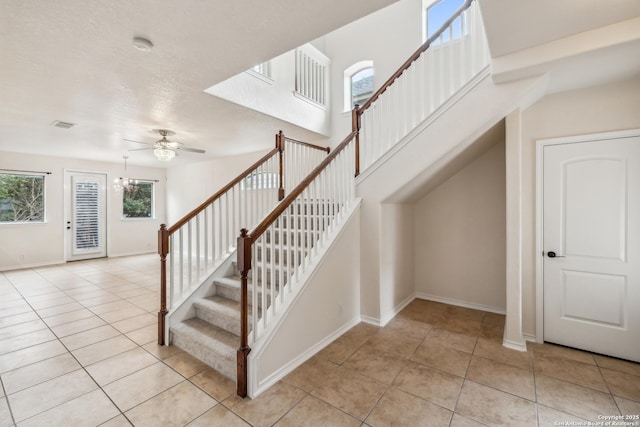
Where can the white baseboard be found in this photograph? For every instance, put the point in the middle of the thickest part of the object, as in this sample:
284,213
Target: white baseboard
124,254
381,323
371,321
529,337
459,303
289,367
35,265
397,309
515,345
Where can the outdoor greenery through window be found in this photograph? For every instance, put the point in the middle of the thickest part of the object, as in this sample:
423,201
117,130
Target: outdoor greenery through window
137,200
21,198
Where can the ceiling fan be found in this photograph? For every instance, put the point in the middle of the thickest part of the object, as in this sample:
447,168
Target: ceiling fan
165,149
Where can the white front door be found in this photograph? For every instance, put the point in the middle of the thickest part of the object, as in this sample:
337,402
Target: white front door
591,244
86,217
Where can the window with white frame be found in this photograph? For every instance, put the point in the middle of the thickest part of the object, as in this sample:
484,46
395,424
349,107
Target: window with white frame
435,14
138,200
358,84
21,198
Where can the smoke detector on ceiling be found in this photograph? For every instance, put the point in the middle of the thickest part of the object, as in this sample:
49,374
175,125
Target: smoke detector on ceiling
142,44
62,125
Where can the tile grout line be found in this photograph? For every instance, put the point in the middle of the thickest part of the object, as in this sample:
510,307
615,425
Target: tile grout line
77,361
71,353
6,398
535,385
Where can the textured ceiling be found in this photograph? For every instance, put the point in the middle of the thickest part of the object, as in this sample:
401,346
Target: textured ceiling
73,60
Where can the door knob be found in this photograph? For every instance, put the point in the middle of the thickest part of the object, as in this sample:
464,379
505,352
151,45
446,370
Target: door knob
552,254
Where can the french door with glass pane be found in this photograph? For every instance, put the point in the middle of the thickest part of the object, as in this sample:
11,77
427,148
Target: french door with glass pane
86,215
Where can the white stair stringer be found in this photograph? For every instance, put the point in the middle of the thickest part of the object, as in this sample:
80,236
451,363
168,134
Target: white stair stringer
316,310
454,127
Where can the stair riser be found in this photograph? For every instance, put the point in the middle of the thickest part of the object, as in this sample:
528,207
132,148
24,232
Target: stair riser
233,293
228,292
221,321
223,363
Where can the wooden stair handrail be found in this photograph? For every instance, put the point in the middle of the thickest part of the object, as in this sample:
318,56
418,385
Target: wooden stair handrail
307,144
280,140
415,56
164,233
220,192
293,194
246,240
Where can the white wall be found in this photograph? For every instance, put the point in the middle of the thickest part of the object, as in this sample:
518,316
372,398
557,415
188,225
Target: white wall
592,110
397,234
420,159
191,184
26,245
387,37
460,235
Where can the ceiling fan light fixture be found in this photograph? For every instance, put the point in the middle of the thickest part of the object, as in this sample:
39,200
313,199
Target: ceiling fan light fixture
164,154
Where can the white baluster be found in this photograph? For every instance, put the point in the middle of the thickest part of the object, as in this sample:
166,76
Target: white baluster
172,273
189,255
254,290
181,252
197,249
206,238
263,281
272,265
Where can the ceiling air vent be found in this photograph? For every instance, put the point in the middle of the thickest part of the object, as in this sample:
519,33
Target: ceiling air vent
62,125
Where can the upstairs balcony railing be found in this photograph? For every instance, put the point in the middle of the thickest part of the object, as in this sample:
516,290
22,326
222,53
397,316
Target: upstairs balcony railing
439,68
312,75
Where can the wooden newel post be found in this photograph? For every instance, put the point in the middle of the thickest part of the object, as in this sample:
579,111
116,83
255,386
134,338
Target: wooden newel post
280,147
244,265
355,127
163,250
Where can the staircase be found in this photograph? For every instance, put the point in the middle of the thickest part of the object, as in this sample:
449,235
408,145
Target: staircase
213,334
278,257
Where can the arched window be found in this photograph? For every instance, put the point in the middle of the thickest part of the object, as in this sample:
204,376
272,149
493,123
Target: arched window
358,84
435,14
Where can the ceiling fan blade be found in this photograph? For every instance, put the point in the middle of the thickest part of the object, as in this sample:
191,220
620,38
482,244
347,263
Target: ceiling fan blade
140,149
191,150
137,142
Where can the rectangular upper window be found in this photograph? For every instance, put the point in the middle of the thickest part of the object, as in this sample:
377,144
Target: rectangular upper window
21,198
138,200
436,14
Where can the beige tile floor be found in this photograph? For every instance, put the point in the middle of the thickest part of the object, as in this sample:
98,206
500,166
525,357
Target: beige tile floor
77,348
